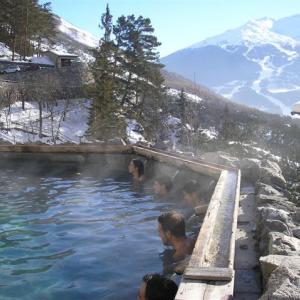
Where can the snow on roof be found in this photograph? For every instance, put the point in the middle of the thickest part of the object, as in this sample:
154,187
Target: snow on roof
43,60
61,53
296,107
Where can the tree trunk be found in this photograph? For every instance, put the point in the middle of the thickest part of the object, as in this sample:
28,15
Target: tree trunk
40,120
14,49
26,31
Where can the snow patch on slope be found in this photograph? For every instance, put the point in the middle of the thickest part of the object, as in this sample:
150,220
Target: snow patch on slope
22,126
134,131
190,97
230,89
5,52
79,35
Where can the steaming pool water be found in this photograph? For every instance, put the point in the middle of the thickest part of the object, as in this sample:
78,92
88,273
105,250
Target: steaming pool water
75,236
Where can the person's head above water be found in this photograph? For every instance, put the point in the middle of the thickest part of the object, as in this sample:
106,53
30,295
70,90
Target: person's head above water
190,195
157,287
171,229
136,169
162,185
171,225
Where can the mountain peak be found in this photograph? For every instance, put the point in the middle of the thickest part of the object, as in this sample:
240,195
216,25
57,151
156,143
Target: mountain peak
257,31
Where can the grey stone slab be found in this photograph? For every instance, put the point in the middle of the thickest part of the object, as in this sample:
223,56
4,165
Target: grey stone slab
247,281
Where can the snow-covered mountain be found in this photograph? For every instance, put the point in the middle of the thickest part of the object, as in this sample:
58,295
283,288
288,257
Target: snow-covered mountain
257,64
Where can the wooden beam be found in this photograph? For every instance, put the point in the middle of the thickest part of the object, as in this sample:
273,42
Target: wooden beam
205,290
179,162
192,159
209,273
98,149
200,253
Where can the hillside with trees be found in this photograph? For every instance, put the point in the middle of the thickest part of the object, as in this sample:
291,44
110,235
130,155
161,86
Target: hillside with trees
23,25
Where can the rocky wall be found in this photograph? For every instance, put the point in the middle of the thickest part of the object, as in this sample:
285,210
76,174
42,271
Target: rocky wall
278,225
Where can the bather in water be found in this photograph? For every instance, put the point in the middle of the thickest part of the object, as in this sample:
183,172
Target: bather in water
136,169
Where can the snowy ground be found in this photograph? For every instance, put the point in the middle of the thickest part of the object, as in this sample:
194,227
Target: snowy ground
134,132
5,52
190,97
22,126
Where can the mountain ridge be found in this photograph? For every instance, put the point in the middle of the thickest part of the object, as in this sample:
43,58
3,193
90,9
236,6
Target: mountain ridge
249,64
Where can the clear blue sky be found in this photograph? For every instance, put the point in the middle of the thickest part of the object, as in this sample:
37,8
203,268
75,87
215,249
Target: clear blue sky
177,23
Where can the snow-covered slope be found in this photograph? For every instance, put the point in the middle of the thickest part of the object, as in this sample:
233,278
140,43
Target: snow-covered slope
71,39
5,52
79,35
257,64
69,122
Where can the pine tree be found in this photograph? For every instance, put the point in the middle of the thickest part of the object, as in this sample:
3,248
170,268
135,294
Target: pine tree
42,25
22,21
105,121
182,103
135,39
229,129
126,72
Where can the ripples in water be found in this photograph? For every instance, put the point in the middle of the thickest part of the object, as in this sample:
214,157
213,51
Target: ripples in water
75,238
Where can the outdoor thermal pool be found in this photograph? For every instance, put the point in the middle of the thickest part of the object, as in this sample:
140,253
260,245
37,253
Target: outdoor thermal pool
69,232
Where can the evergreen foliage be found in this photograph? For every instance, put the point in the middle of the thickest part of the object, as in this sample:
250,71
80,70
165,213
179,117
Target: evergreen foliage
22,21
230,129
126,71
182,104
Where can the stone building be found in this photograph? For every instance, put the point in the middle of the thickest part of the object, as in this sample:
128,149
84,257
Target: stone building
61,59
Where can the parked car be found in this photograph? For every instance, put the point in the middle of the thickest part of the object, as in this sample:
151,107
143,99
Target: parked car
11,69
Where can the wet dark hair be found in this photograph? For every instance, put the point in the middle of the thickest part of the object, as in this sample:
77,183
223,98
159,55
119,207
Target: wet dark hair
139,165
166,181
191,187
173,222
159,287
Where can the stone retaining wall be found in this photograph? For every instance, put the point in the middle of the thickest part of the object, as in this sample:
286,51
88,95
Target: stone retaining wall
278,225
68,80
278,228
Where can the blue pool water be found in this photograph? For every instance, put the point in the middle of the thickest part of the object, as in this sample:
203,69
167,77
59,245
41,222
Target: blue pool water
75,237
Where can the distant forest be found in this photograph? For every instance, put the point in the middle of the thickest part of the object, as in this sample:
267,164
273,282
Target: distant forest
23,25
